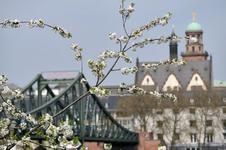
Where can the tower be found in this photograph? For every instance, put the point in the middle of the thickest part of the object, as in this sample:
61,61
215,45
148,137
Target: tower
194,45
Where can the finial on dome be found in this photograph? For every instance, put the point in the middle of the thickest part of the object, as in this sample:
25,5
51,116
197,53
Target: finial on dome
173,27
194,14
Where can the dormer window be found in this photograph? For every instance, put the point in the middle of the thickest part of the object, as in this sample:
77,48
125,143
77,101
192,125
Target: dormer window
196,82
171,83
147,81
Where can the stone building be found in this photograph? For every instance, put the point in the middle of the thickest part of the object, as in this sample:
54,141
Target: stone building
194,77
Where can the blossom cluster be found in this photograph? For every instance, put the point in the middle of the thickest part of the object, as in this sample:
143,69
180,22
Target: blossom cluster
132,89
136,90
109,54
26,125
140,91
3,79
64,33
35,23
99,91
159,21
97,67
10,23
112,54
78,51
15,93
167,62
147,41
163,95
4,125
126,12
113,36
127,70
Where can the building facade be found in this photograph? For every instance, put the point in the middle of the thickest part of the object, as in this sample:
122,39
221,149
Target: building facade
197,123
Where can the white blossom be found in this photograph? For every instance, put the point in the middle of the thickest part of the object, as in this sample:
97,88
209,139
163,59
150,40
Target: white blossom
6,90
64,33
52,130
99,91
47,118
136,90
3,79
97,67
112,35
78,51
159,21
126,71
163,95
36,23
167,62
131,8
17,93
23,125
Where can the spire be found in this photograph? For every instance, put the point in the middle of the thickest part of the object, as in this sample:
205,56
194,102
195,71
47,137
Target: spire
173,45
194,14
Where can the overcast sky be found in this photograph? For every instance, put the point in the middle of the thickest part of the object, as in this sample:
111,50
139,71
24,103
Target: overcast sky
26,52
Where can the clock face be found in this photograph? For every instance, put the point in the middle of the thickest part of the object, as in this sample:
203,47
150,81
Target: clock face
193,40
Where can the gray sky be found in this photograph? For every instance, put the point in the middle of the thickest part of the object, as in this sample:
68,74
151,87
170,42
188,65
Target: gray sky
26,52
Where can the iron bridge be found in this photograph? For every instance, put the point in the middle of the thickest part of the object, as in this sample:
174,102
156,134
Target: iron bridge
89,118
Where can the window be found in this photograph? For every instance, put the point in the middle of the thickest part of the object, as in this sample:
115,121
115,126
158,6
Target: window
199,48
159,111
224,134
160,137
177,136
192,123
224,110
193,48
159,124
176,111
176,88
192,101
106,105
196,78
209,137
224,99
224,124
193,137
192,110
209,123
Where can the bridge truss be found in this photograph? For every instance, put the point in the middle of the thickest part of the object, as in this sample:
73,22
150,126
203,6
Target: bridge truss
89,118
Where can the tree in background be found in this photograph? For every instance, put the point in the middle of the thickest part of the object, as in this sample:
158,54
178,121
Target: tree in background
173,117
207,115
139,107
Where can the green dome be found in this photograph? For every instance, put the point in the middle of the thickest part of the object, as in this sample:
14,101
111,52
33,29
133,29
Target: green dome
194,26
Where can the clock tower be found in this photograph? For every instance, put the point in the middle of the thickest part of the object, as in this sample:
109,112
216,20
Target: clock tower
194,44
